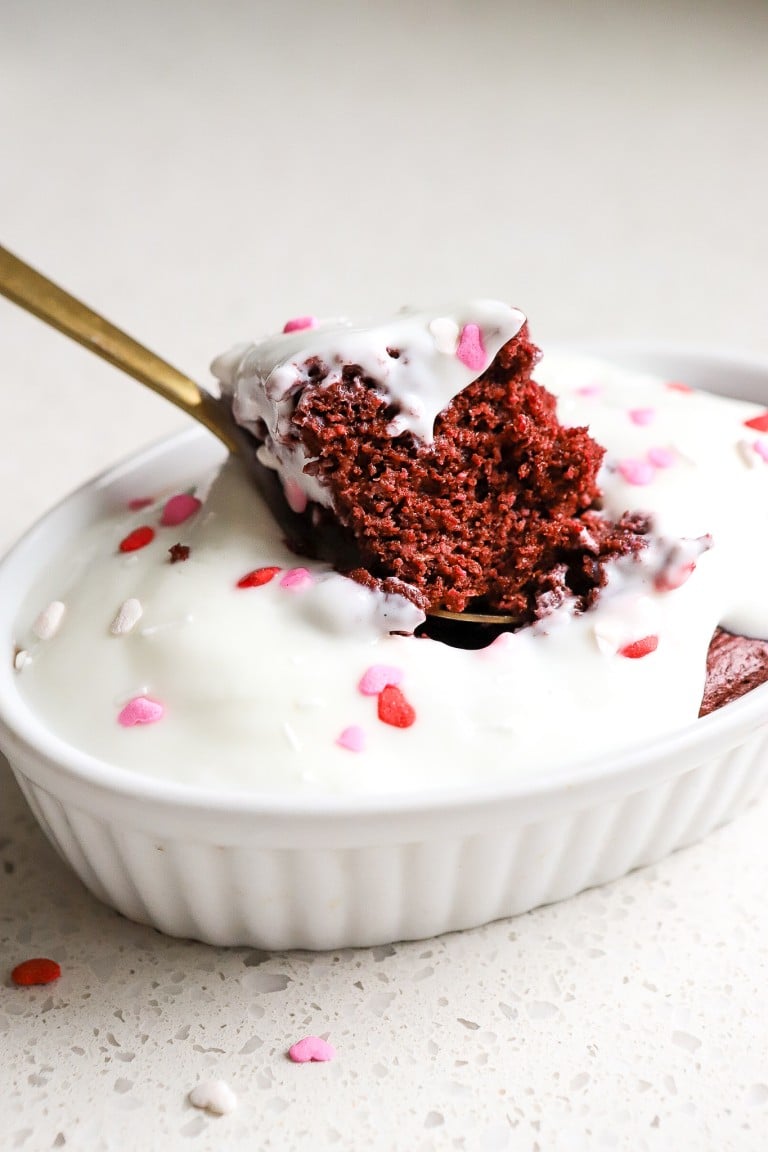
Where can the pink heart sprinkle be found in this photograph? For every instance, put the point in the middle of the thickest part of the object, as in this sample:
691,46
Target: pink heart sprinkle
178,509
296,580
295,496
140,502
642,416
673,577
637,472
141,710
470,350
352,738
588,390
378,677
661,457
298,323
311,1048
761,447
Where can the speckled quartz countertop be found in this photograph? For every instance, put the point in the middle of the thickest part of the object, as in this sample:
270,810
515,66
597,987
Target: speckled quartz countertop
199,172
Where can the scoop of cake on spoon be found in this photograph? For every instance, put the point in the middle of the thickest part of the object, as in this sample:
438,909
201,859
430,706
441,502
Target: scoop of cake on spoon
417,453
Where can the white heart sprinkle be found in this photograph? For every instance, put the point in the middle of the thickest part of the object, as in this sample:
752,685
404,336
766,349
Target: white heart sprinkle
215,1096
49,620
445,333
128,615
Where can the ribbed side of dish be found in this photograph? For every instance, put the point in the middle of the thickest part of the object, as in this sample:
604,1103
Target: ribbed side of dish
331,897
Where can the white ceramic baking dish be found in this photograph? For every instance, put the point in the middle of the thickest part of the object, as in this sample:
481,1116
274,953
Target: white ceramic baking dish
279,873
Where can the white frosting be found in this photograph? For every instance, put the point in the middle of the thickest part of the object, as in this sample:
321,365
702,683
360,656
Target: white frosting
257,684
413,361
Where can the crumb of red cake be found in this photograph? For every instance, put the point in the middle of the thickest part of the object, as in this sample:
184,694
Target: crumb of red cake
178,553
735,665
500,512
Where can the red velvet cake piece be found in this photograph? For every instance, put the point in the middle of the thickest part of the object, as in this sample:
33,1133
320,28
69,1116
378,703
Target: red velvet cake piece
497,512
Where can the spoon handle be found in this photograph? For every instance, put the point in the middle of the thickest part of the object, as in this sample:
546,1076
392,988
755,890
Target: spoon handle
44,299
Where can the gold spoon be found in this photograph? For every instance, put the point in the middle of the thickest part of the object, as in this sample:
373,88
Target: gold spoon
44,299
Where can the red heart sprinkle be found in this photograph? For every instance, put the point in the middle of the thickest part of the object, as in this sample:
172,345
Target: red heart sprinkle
759,423
640,648
394,709
677,386
258,577
139,538
36,971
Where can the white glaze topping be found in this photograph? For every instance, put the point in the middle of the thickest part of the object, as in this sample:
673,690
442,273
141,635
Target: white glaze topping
259,684
416,361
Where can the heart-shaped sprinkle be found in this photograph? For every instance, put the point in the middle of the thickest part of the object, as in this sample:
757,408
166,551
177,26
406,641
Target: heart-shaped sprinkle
470,350
394,709
295,496
140,710
257,578
588,390
296,580
139,538
640,648
311,1048
642,416
661,457
299,323
761,447
39,970
140,502
213,1096
671,578
637,472
378,677
678,386
49,621
178,509
352,738
759,423
128,615
445,333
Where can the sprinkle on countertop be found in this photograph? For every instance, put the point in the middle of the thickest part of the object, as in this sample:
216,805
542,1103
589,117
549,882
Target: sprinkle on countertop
311,1048
39,970
213,1096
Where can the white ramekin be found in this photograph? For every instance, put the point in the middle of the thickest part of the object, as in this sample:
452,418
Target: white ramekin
283,872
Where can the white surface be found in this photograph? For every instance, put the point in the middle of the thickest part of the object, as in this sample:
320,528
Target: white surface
202,172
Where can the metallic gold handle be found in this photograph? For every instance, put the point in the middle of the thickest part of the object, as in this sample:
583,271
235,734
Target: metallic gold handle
44,299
